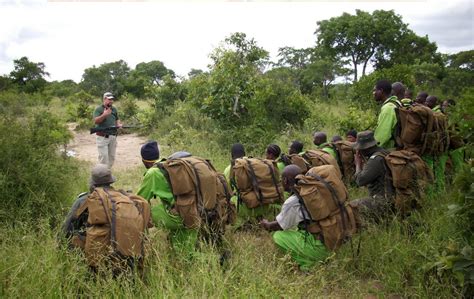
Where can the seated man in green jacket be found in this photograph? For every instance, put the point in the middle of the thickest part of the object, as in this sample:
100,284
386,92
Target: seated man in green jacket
273,153
246,216
156,189
320,140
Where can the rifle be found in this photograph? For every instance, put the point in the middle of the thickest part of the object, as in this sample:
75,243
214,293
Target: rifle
111,129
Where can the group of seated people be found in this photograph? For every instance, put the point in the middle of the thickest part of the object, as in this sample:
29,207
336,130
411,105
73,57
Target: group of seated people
301,196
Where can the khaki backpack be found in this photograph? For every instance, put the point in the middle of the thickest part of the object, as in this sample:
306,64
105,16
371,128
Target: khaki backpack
319,157
326,199
257,181
117,222
421,130
297,160
438,141
198,191
345,154
409,176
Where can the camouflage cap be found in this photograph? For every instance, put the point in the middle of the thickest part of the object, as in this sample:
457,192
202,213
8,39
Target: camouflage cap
365,140
101,175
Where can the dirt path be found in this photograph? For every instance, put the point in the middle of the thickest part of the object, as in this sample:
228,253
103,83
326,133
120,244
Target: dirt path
83,147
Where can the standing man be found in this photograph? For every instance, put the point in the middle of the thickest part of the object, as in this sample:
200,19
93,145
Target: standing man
106,116
387,117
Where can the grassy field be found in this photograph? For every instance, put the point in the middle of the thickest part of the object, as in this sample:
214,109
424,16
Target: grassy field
394,259
390,264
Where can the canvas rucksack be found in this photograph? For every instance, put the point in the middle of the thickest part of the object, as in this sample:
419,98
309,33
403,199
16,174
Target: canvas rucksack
116,225
325,197
421,130
297,160
198,191
257,181
319,157
438,141
409,176
345,159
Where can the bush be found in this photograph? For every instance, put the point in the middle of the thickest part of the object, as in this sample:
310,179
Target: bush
357,119
128,107
34,178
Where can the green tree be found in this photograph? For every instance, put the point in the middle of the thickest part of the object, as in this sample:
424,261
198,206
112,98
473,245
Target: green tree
462,60
410,49
233,79
361,92
311,68
459,73
166,94
147,74
359,37
29,76
62,89
110,76
5,82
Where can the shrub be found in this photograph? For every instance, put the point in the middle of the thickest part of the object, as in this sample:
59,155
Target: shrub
34,178
357,119
128,107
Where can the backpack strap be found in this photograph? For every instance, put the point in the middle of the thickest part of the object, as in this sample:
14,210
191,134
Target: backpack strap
112,218
197,184
166,175
396,102
224,185
275,183
338,157
253,178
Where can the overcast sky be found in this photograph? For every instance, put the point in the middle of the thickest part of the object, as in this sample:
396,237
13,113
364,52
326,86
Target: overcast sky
70,37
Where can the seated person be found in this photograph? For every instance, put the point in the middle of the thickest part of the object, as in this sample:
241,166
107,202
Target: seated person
304,247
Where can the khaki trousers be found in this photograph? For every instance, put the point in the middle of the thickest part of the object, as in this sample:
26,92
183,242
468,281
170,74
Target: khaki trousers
106,148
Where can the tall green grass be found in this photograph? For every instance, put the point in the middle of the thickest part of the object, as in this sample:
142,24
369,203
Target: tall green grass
394,259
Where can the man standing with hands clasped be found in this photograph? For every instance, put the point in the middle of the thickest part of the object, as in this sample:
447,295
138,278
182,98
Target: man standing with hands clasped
106,116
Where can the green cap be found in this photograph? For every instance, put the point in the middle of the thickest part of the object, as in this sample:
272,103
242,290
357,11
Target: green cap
365,140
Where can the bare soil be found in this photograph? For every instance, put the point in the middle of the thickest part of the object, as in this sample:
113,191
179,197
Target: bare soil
83,147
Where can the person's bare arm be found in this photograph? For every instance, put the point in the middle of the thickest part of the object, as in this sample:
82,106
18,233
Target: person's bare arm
270,226
99,119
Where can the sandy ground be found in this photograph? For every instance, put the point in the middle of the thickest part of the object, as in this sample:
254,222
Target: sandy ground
83,147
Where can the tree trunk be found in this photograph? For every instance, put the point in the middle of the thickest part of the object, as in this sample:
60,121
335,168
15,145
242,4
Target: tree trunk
354,62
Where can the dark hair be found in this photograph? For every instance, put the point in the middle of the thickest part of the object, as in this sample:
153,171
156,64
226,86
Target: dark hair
451,102
274,149
352,133
385,86
336,138
237,151
297,146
